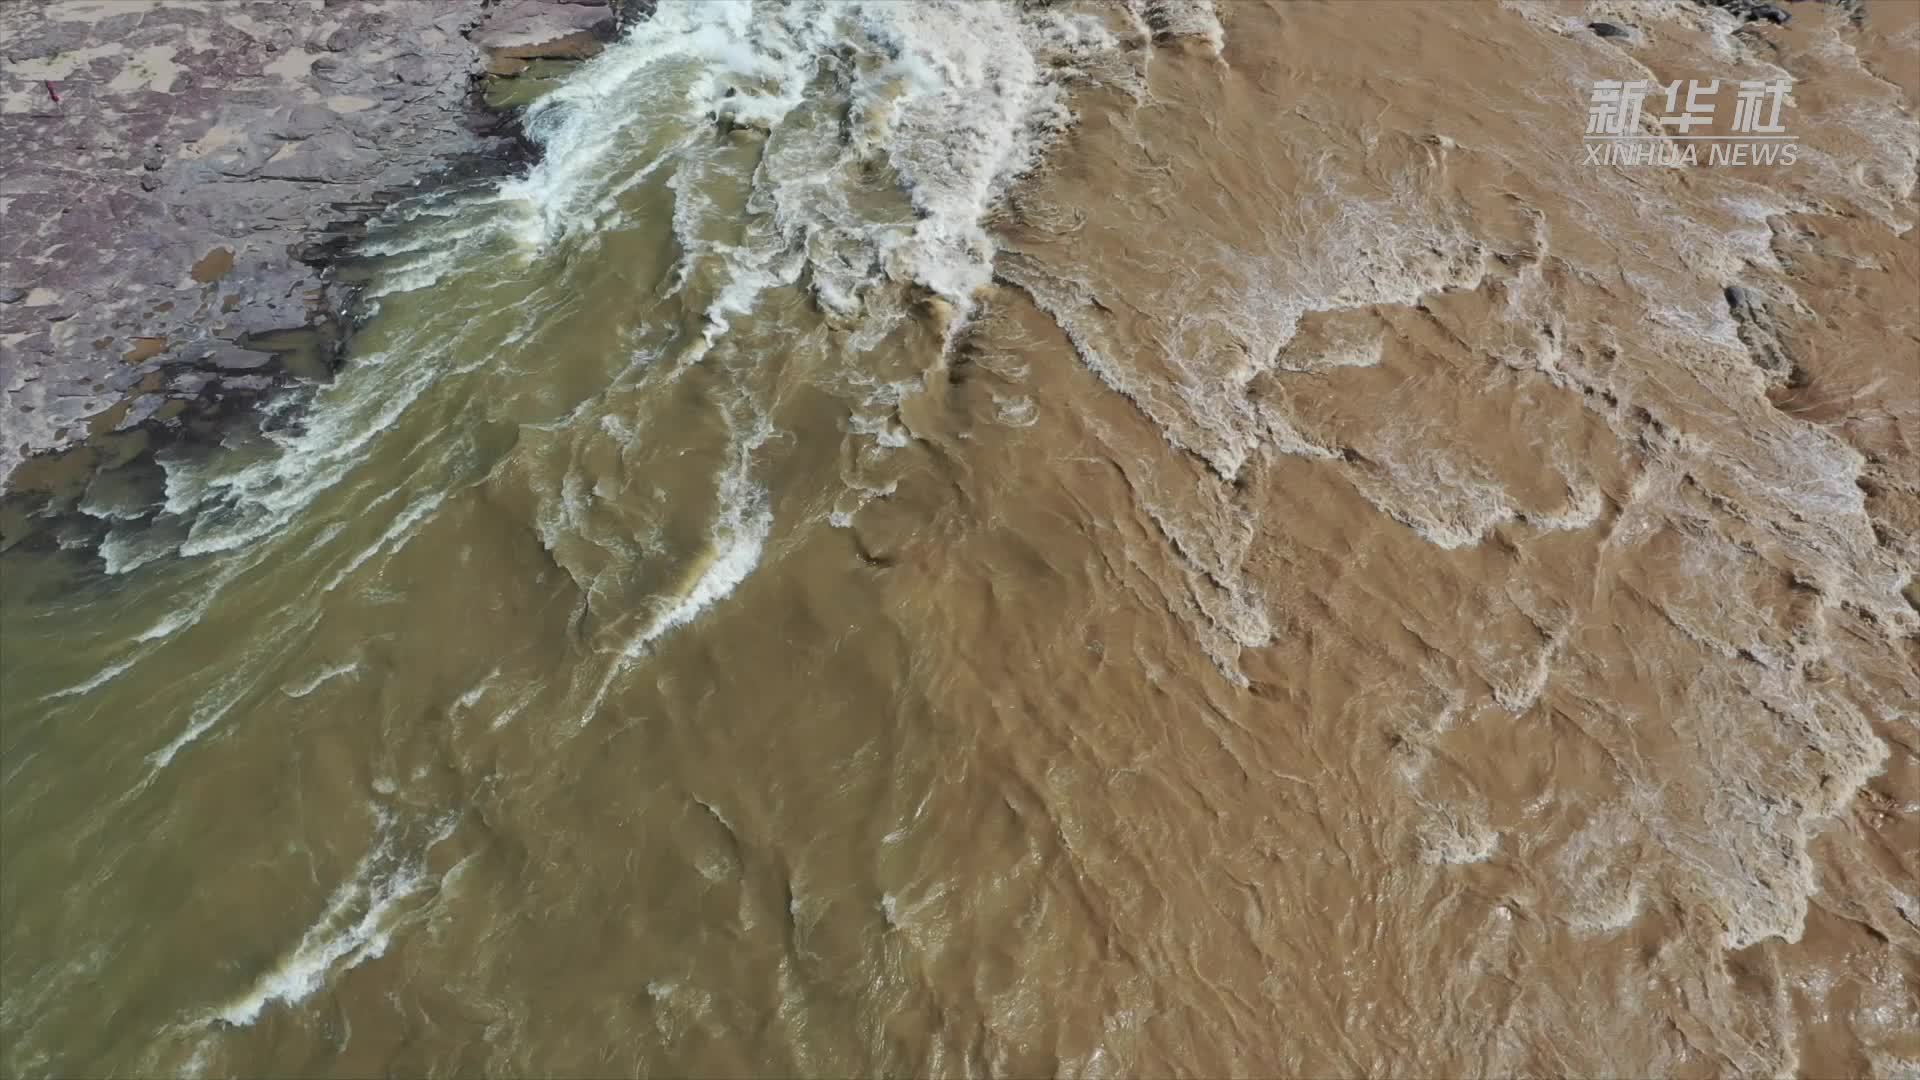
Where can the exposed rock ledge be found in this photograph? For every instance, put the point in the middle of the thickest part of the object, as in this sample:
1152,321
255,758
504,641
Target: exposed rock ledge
169,214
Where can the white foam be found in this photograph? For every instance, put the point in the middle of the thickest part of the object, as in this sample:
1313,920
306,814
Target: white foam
259,498
946,102
956,99
1017,411
1186,18
855,496
736,540
124,551
357,925
215,705
396,535
318,678
99,679
1236,306
739,534
477,691
1457,836
303,971
203,719
412,275
168,625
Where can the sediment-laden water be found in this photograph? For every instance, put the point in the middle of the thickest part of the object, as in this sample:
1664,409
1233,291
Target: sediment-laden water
1109,539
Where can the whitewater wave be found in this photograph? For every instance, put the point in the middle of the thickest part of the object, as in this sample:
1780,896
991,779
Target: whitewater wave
889,134
736,540
949,102
357,924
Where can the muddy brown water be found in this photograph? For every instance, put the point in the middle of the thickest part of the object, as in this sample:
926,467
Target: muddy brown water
1074,539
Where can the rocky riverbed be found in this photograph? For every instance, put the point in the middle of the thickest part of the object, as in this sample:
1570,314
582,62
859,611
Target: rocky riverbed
178,175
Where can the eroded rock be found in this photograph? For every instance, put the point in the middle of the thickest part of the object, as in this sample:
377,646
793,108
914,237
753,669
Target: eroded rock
243,126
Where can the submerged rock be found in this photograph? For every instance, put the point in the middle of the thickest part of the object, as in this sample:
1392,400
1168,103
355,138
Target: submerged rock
1759,10
1763,336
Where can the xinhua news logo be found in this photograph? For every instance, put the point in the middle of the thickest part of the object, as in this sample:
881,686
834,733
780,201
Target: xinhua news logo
1640,122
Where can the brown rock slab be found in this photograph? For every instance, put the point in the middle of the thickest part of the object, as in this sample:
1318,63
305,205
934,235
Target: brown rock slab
213,266
144,349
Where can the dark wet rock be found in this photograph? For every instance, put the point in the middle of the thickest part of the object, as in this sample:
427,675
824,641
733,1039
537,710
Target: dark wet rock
264,127
630,12
730,119
529,29
343,39
303,121
1763,336
141,410
228,358
1609,30
332,157
531,44
1764,11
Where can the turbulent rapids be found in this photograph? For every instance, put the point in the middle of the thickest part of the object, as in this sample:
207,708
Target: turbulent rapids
1131,538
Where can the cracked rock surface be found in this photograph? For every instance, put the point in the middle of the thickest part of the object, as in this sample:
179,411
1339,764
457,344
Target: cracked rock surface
167,165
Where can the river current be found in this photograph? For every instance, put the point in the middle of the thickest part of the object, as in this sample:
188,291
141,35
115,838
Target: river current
1113,539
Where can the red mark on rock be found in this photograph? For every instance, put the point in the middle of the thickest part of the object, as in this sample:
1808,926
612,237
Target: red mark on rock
53,93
